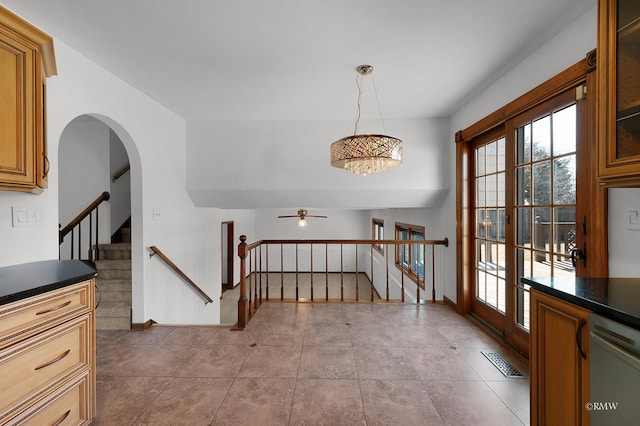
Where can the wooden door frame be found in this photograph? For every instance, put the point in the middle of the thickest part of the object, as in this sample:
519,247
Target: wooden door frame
229,284
581,73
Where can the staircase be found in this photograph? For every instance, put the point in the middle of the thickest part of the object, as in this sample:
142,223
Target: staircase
114,282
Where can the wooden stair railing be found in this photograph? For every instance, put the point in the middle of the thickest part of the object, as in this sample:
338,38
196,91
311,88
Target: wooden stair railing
118,175
155,250
252,269
90,211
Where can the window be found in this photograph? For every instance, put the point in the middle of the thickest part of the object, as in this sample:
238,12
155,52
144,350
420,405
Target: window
410,257
377,233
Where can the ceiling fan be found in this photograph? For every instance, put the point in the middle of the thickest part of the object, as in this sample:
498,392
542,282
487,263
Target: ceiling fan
302,215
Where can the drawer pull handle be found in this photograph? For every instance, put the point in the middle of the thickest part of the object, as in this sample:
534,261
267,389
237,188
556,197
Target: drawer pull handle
62,419
53,361
55,308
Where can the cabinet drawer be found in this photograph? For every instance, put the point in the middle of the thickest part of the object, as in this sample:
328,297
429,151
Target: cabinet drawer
27,317
32,368
69,405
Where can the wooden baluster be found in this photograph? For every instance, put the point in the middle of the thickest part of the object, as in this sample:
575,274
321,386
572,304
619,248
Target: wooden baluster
341,272
311,262
326,271
267,268
255,281
418,280
371,280
357,293
89,253
433,274
296,272
281,272
386,266
259,266
401,277
97,252
242,300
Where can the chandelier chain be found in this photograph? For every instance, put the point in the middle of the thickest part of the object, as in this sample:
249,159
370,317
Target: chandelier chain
375,90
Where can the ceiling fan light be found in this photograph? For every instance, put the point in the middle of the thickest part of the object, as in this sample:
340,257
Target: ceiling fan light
302,222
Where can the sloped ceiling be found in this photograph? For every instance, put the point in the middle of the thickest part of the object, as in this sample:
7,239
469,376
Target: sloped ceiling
295,60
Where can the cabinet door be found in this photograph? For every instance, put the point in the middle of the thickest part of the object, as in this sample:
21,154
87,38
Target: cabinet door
17,133
559,362
619,92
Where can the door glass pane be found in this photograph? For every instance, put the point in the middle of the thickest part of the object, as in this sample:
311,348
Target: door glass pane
491,191
491,160
542,183
523,144
564,131
480,192
541,228
480,161
523,217
541,136
564,180
523,185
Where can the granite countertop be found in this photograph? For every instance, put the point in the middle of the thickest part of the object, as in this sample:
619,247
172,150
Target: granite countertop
30,279
614,298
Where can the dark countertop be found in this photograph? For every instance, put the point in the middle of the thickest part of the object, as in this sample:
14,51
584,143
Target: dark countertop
614,298
30,279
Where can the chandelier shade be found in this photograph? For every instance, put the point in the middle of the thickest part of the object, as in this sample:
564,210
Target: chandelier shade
366,154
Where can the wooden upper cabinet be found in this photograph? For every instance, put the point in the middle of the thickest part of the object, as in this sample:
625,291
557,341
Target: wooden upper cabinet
619,92
26,60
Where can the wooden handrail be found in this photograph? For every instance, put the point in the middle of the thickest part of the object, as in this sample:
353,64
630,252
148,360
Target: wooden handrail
64,231
118,175
178,271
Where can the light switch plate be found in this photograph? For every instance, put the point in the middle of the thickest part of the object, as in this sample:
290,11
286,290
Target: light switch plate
633,219
27,216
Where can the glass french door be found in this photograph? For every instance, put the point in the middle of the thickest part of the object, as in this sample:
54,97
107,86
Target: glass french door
525,211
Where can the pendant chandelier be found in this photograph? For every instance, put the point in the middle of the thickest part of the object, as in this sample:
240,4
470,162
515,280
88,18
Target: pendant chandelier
365,154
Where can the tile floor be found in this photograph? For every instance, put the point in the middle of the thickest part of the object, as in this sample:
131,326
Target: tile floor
311,364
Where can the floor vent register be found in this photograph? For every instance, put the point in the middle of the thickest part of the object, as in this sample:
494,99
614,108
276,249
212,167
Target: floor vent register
503,365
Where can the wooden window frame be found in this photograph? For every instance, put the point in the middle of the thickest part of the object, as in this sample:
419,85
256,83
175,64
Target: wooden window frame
377,233
411,229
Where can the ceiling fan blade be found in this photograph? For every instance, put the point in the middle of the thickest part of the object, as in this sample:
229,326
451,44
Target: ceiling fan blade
313,215
293,215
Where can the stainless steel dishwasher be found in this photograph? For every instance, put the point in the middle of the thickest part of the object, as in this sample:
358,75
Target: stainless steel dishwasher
614,370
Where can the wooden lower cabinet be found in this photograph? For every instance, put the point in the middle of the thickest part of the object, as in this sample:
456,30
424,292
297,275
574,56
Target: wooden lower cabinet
47,358
559,362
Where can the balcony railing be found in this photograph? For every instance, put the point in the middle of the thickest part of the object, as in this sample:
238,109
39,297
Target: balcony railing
276,270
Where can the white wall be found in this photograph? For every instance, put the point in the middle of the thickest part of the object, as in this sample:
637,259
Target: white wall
624,243
285,164
120,201
564,50
154,138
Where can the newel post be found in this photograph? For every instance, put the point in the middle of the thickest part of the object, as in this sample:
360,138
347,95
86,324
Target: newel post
242,300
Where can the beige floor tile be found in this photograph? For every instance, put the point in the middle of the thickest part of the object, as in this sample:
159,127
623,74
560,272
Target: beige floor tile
215,361
327,362
515,394
271,361
397,402
383,363
123,399
186,401
327,334
440,364
469,403
328,402
257,401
